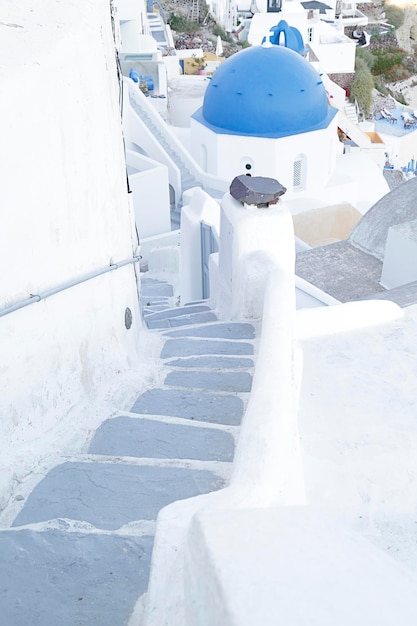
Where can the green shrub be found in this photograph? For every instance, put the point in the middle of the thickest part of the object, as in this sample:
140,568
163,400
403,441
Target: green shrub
375,36
394,15
387,59
400,98
361,88
218,30
181,25
366,56
381,87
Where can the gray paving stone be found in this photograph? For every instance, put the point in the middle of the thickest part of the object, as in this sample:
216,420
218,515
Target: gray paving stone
211,381
150,310
158,300
148,280
221,330
182,320
109,495
157,289
194,318
199,405
54,578
168,313
188,347
157,324
211,362
127,436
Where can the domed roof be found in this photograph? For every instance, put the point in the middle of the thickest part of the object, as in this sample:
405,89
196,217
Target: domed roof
267,91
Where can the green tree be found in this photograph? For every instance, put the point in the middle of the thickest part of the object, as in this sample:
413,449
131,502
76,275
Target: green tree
362,86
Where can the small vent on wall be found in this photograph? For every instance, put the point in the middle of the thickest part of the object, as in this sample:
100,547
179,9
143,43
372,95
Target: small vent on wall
297,174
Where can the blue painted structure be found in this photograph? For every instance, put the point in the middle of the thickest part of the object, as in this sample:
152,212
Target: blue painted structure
285,35
265,92
139,78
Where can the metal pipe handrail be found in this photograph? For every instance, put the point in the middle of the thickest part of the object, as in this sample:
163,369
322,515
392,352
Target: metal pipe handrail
71,283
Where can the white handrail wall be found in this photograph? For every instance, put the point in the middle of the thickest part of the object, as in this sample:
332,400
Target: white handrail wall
267,468
255,553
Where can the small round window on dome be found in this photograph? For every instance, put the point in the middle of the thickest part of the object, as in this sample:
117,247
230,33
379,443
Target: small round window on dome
248,166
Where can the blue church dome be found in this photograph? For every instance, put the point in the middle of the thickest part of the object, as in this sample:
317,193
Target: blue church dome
265,91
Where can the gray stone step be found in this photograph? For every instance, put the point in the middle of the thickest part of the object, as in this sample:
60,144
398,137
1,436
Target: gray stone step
156,308
141,437
70,578
152,301
156,289
222,330
182,320
149,280
212,362
171,313
211,381
187,347
217,408
111,495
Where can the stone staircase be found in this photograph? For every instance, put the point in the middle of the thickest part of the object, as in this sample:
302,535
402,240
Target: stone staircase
78,552
350,111
178,155
187,178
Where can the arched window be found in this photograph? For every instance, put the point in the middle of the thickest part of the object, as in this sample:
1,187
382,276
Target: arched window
299,172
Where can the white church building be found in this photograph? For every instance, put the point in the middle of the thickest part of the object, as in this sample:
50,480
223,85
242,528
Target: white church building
247,122
247,125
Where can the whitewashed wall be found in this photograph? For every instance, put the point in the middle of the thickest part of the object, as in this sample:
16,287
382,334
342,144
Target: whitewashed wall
148,181
335,56
198,207
64,213
227,155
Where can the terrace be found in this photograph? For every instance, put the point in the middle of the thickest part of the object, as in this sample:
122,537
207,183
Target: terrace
397,123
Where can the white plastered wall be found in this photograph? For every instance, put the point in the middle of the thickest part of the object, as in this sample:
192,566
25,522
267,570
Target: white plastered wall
65,213
198,207
270,157
149,183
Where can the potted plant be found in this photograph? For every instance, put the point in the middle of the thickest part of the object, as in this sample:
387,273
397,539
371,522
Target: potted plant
199,64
